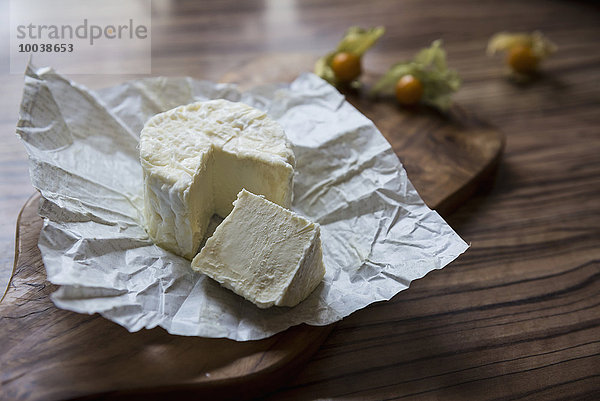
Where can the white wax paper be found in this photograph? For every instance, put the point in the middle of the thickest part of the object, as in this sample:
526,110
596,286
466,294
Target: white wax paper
377,233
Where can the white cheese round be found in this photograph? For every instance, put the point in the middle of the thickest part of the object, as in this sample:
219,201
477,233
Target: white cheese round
197,157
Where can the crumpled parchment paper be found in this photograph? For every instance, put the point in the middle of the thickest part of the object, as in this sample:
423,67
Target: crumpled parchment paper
377,233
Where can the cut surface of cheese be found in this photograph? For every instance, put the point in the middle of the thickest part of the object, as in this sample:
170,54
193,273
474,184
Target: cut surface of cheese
196,158
265,253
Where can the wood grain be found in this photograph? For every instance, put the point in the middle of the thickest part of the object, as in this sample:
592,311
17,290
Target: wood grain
516,317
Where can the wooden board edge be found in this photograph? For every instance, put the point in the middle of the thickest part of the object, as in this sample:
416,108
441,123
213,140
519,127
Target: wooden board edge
246,387
34,198
448,205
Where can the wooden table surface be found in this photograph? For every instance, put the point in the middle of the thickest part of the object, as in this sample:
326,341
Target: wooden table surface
518,315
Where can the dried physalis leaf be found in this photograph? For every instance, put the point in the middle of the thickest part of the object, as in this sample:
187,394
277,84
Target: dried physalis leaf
343,65
524,50
425,79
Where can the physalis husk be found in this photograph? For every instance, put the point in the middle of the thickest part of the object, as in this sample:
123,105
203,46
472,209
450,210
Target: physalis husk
429,68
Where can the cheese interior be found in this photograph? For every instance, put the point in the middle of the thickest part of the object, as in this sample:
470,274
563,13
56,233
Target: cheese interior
265,253
197,157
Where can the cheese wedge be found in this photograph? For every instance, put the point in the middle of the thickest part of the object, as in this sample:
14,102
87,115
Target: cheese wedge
265,253
197,157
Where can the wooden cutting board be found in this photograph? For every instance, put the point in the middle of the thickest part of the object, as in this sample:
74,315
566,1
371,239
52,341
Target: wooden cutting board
51,354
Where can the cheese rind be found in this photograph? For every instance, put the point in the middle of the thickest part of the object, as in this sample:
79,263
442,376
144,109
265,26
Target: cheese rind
197,157
265,253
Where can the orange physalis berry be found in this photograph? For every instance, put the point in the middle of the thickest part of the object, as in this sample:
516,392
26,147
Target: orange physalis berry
409,90
346,66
